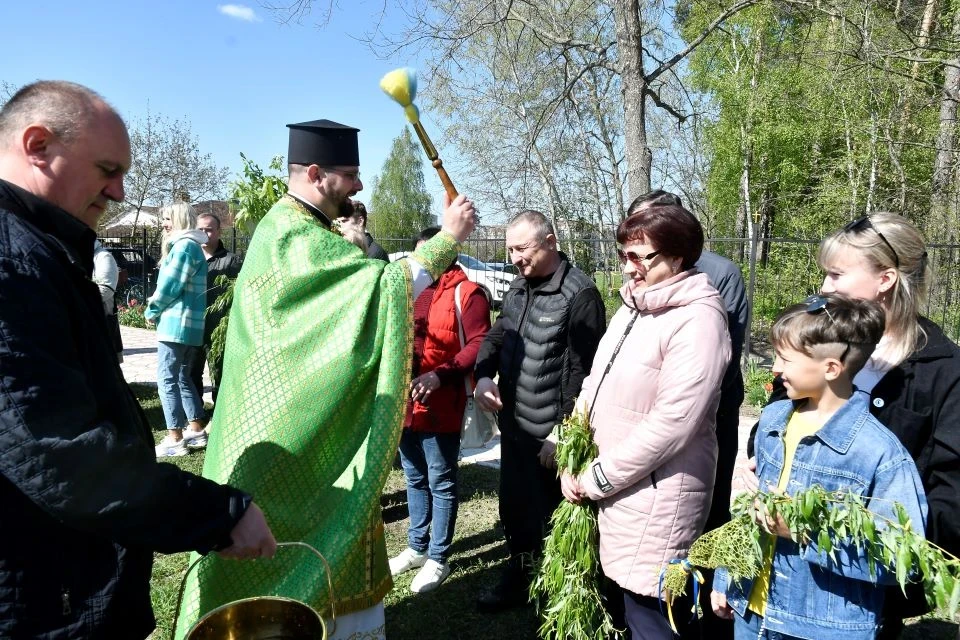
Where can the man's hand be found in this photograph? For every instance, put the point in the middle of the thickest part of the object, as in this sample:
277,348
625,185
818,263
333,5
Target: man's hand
251,537
459,217
718,601
548,454
745,477
571,488
487,395
422,386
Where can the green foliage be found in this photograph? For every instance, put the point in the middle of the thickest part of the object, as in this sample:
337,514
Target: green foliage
132,316
830,519
566,587
218,339
759,384
829,126
400,204
256,192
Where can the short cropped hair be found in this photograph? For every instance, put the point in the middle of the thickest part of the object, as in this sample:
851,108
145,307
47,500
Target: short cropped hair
63,107
426,234
539,222
825,330
359,209
655,198
669,228
214,216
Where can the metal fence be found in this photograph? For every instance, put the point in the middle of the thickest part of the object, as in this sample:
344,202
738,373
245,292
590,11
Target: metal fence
786,270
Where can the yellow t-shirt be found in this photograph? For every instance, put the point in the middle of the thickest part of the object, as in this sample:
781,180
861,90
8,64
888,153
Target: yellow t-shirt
798,428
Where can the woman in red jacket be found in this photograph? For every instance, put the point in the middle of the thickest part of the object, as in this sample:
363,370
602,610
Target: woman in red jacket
430,444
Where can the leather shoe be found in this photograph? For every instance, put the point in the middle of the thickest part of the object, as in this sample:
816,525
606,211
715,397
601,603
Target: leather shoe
510,592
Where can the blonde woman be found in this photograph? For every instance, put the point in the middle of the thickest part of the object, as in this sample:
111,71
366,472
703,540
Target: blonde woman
913,377
177,308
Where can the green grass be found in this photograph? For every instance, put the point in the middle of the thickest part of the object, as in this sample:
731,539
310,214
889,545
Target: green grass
478,550
477,553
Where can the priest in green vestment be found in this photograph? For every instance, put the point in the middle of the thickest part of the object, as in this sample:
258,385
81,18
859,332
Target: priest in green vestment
314,387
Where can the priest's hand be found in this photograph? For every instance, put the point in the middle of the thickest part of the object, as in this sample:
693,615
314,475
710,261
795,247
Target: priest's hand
459,217
251,537
487,395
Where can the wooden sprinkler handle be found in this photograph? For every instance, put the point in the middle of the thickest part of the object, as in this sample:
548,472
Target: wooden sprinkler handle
435,160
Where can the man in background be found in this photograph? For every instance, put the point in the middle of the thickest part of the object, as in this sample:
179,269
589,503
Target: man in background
220,262
542,348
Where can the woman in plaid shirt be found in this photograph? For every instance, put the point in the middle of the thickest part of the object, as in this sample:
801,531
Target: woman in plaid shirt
177,307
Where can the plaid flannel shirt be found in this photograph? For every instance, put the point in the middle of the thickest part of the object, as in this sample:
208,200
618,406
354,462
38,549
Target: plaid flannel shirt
180,300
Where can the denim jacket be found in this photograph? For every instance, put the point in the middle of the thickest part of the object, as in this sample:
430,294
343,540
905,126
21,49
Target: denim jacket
810,595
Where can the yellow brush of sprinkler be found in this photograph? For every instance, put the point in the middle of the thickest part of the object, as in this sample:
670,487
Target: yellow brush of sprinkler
401,85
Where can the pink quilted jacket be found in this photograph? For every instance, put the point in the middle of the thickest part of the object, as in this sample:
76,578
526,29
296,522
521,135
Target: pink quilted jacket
654,421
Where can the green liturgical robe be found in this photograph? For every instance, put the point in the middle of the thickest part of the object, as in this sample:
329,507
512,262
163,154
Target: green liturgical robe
310,410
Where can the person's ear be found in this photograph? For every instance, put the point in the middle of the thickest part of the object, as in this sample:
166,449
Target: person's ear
550,241
834,368
36,142
315,172
888,278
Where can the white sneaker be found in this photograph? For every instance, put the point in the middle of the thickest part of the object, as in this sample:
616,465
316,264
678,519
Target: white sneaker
408,559
168,448
194,439
430,577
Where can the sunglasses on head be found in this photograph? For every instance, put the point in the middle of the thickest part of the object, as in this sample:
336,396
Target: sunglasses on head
860,224
816,304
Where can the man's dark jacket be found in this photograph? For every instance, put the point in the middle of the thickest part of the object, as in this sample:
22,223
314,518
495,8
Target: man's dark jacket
542,345
221,263
83,501
374,250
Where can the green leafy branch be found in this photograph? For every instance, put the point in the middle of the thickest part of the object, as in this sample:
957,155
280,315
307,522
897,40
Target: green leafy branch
256,192
830,519
218,339
566,588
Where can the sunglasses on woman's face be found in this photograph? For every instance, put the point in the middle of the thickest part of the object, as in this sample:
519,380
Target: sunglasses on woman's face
855,226
634,257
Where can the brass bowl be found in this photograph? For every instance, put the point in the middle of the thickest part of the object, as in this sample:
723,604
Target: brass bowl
260,618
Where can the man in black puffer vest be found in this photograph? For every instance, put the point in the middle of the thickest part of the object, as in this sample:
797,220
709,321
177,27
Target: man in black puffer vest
542,347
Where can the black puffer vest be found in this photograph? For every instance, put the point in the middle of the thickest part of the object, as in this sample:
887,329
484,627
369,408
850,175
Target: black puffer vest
533,360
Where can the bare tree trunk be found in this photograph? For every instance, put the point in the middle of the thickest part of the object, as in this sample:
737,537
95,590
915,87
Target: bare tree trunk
873,163
630,55
943,210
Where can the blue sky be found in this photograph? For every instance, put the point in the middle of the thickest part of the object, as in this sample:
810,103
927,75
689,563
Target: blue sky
232,70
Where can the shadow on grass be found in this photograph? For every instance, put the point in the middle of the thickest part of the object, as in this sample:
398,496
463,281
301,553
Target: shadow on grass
931,629
147,396
476,555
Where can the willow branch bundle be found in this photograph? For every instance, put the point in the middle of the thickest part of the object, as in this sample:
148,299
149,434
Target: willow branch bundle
567,586
832,519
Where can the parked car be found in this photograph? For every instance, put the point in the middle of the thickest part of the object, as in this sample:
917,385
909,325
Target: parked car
493,281
507,267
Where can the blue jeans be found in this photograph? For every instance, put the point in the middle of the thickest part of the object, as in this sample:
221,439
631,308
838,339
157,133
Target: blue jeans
750,627
178,396
430,464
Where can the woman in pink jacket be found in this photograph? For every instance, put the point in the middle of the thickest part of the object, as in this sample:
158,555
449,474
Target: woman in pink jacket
652,398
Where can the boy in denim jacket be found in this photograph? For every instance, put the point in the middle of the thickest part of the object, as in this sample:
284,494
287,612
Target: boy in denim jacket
824,434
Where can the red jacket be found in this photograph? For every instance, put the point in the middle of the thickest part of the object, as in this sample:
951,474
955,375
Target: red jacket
436,347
